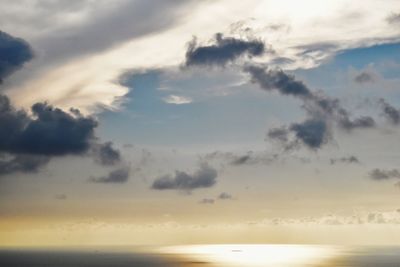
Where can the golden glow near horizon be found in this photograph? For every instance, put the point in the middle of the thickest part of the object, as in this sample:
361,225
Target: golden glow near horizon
257,255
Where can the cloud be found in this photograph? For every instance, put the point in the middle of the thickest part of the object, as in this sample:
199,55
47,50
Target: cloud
66,31
356,218
349,160
364,77
29,141
361,122
379,174
118,176
203,178
313,133
177,100
225,196
322,111
22,164
65,34
238,159
207,201
241,160
280,134
14,52
105,154
223,51
277,80
50,132
393,18
389,112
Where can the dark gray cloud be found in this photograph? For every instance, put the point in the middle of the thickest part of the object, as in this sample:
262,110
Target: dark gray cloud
224,51
379,174
347,124
14,52
106,155
118,176
322,111
22,164
207,201
203,178
280,134
225,196
349,160
29,141
241,160
389,112
312,133
393,18
364,77
277,80
50,132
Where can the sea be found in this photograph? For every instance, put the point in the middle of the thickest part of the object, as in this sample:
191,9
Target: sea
226,255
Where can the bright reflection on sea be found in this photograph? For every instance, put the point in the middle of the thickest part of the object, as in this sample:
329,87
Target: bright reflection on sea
257,255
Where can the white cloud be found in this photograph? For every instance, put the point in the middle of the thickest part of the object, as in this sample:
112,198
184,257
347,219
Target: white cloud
177,100
305,32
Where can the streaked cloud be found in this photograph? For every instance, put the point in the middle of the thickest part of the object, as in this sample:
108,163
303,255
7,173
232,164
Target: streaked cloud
349,160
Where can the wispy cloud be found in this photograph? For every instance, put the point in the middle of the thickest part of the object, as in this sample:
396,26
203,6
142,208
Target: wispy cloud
177,100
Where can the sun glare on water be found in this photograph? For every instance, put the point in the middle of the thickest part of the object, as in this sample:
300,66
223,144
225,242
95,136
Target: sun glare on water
257,255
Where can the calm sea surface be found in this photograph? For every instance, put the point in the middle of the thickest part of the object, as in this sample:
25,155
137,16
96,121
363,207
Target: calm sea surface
205,255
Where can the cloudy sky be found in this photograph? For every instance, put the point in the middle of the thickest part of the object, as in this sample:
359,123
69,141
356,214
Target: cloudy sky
171,122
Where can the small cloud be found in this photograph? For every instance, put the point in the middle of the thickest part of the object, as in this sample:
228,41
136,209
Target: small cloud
391,113
118,176
379,174
207,201
177,100
239,159
364,77
106,155
23,164
225,196
349,160
203,178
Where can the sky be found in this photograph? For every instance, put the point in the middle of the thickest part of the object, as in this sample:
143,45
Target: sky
184,122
